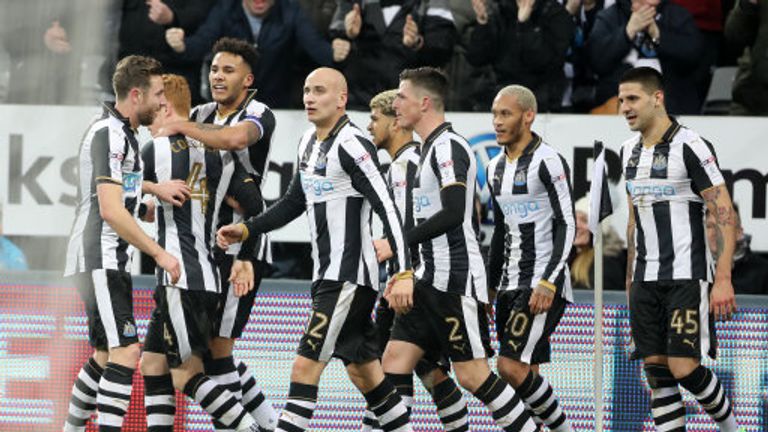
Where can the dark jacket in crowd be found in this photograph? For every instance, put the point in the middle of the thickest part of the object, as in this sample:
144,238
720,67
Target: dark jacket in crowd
283,29
530,54
378,54
679,52
750,274
140,35
747,29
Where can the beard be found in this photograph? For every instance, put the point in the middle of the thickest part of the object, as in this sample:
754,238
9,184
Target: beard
147,117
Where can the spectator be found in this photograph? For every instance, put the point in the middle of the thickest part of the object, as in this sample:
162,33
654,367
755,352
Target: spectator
747,29
709,19
750,271
580,92
652,33
321,13
142,32
583,258
11,256
387,37
276,27
526,42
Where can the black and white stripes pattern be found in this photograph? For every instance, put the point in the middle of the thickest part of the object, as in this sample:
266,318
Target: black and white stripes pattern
254,400
220,403
505,405
114,396
82,404
400,178
532,195
451,406
666,401
706,388
298,410
540,397
389,408
159,402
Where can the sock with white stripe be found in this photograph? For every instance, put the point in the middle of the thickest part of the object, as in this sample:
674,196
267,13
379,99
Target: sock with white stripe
82,405
302,399
707,390
451,406
254,400
160,402
403,383
222,371
540,397
219,402
114,396
370,422
666,401
388,406
505,405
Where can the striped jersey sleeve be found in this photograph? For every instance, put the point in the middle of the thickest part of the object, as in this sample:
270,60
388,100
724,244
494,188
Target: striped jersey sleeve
107,156
450,163
555,176
358,158
701,164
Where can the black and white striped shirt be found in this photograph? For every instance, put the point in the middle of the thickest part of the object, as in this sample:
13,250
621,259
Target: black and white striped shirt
664,183
338,183
400,178
450,262
109,153
187,232
533,208
255,158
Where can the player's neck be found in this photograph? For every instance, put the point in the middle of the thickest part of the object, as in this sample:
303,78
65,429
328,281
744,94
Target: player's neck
430,121
397,142
515,149
652,135
224,110
126,110
324,128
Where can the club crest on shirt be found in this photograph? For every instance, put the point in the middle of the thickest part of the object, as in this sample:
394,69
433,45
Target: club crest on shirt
129,330
521,178
659,162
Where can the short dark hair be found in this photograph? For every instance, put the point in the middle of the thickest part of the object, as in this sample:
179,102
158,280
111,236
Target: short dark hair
431,79
648,77
134,71
238,47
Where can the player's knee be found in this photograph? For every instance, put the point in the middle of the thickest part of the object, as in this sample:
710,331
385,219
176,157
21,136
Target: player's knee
659,376
433,378
681,367
101,356
472,374
513,372
153,364
127,356
306,370
221,347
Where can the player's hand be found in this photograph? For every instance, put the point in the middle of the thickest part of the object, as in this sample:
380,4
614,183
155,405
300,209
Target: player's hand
341,49
399,294
541,299
524,10
175,39
241,277
170,128
411,37
56,39
174,192
170,264
229,234
481,11
722,300
232,202
383,250
159,12
640,20
572,6
353,21
149,216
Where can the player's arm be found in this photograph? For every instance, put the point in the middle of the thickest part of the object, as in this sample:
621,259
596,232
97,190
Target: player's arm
235,137
631,252
244,191
701,164
450,162
174,192
555,175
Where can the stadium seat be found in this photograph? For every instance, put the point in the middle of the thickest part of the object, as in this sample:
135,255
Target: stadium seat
718,100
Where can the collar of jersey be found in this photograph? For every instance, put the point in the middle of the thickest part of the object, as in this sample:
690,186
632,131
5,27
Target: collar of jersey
529,149
109,109
343,121
405,147
243,104
668,134
435,133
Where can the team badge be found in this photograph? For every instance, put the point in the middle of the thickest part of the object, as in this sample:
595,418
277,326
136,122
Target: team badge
521,178
659,162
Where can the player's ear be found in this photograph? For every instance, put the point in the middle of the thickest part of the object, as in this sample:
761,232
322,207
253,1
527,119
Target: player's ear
249,80
342,101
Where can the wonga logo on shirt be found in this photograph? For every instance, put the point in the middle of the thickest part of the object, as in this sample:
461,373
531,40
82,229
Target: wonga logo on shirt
520,208
317,187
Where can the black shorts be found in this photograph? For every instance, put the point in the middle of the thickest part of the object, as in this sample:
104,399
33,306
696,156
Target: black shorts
340,325
449,324
187,322
233,312
524,336
385,318
672,318
153,341
108,298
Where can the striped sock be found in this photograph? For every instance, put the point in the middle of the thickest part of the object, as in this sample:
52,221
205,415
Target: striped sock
302,399
388,406
219,402
451,406
254,400
666,401
160,402
404,385
370,422
505,405
223,372
707,389
82,405
114,396
540,397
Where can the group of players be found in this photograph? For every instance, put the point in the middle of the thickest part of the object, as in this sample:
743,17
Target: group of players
207,174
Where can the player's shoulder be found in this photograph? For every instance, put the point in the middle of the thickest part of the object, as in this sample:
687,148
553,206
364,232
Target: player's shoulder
200,112
689,137
351,134
254,107
495,161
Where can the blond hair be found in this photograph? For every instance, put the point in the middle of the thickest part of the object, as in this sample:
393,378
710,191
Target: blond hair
524,96
177,93
383,102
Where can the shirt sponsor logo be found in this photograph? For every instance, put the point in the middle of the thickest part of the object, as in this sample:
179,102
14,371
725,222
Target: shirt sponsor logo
656,191
421,202
520,208
317,187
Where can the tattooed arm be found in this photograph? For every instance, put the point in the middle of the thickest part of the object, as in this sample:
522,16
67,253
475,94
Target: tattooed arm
630,245
235,137
718,201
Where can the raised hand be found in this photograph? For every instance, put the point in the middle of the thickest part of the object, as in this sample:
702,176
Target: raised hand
175,38
56,39
353,21
481,11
